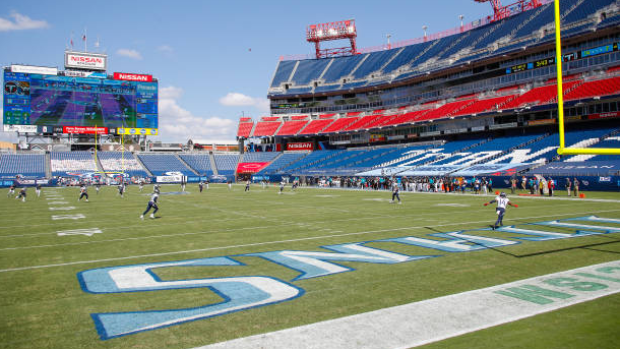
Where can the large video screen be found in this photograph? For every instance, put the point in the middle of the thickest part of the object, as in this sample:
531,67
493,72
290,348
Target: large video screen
54,100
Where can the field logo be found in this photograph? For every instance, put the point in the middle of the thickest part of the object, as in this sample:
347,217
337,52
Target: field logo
247,292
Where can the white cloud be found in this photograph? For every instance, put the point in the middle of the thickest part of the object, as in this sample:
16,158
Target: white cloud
165,49
20,22
179,124
235,99
125,52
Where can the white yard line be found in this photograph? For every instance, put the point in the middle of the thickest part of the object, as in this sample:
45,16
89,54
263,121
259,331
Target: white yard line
433,320
319,237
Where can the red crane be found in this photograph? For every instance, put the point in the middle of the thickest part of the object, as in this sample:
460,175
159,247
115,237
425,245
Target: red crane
317,33
501,12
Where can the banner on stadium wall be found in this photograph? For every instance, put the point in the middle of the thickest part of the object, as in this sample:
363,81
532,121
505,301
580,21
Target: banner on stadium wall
85,130
491,170
137,131
431,170
377,138
594,168
614,114
300,146
384,171
21,128
251,167
31,69
169,179
133,77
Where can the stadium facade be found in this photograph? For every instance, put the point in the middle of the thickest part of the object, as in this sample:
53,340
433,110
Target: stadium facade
479,100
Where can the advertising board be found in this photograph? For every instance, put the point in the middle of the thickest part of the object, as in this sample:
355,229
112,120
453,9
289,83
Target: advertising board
84,60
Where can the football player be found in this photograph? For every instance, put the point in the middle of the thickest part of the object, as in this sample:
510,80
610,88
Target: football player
502,202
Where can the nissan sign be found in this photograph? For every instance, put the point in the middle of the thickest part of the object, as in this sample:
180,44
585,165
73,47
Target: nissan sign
88,61
133,77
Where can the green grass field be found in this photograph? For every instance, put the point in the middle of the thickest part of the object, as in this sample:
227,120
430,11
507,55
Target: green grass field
42,304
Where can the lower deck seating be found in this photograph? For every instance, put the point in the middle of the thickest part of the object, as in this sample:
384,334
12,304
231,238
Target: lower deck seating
28,165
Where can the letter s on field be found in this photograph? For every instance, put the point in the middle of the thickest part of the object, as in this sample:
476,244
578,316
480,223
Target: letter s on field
238,293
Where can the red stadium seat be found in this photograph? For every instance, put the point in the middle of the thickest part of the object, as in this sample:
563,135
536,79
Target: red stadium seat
315,126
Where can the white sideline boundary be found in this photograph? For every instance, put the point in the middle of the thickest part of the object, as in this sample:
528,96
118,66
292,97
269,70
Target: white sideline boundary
431,320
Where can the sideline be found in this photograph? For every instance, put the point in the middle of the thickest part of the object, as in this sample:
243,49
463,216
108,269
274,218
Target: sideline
436,319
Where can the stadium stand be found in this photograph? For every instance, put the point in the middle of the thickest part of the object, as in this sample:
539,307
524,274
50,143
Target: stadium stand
28,165
161,164
201,163
226,164
116,161
507,35
290,128
282,161
260,156
64,163
315,126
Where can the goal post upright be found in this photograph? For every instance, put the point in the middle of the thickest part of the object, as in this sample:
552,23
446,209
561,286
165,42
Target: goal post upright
562,149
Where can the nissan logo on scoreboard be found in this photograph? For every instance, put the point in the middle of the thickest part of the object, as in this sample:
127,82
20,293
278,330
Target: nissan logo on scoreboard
88,61
133,77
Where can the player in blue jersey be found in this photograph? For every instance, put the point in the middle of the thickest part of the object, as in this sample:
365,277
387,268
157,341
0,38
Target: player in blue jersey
38,190
22,194
152,205
83,192
502,202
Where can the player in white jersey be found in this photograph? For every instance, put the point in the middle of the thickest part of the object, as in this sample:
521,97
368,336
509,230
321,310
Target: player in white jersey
282,184
83,192
502,202
395,190
152,205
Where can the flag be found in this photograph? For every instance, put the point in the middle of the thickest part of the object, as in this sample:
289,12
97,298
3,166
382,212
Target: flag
84,37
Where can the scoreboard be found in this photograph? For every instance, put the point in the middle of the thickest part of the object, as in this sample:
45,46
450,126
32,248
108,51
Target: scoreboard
130,101
565,58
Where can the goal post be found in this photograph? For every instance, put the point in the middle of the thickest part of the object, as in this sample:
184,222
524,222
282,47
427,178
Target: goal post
563,150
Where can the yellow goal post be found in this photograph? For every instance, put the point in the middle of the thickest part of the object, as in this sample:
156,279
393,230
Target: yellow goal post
562,150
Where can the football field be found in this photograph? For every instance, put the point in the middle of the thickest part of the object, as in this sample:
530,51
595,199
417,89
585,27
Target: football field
223,265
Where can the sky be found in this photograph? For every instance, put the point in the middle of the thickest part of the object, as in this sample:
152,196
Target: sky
214,59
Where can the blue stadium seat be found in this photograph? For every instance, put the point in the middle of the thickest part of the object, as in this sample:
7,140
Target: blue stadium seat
201,163
27,165
160,164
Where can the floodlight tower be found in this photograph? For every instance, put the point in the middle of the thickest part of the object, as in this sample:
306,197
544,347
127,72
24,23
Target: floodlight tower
501,12
316,33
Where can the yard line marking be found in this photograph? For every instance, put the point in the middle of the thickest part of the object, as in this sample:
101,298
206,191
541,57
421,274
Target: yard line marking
69,216
257,244
65,208
87,232
436,319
